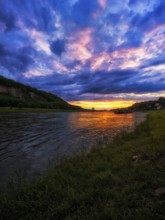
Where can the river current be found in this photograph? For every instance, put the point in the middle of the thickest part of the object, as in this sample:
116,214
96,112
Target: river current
30,142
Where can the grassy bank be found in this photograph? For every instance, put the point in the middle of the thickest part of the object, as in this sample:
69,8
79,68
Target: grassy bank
125,180
26,110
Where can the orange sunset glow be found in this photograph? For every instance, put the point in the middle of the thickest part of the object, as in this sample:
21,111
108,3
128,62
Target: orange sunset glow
103,105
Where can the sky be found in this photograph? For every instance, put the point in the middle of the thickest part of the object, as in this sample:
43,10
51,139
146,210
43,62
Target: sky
95,53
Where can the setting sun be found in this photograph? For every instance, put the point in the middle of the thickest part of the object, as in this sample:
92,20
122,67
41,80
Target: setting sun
103,105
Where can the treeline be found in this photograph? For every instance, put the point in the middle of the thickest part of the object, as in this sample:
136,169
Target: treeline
11,101
28,97
149,105
144,106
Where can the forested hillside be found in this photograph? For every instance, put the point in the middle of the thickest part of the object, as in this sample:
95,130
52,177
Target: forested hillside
15,94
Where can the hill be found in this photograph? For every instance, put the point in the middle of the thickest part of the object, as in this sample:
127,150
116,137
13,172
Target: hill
144,106
15,94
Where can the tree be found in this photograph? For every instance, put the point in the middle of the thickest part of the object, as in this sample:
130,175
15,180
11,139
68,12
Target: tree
20,105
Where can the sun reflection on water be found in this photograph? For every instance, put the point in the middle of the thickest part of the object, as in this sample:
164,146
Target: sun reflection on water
101,120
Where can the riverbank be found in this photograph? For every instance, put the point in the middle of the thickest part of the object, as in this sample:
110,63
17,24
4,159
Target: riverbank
122,181
26,110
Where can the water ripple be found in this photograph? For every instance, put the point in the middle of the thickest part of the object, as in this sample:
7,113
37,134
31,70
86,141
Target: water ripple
29,141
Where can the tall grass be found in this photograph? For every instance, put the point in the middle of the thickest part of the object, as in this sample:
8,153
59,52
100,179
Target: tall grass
105,184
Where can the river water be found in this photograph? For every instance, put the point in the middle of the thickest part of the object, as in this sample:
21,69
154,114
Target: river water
29,142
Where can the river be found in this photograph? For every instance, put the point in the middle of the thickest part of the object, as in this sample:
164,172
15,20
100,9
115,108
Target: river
30,142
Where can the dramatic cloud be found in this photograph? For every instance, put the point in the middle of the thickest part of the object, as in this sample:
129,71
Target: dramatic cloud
85,50
58,47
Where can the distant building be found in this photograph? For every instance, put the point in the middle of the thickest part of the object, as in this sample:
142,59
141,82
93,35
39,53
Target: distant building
158,106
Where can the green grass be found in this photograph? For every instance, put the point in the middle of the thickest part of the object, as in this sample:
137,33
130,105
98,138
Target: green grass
105,184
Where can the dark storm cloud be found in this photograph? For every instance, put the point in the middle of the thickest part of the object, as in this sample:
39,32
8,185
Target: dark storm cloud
7,17
149,20
59,80
77,48
157,61
16,61
58,47
73,64
113,76
113,19
56,83
116,81
133,39
136,88
120,84
3,51
82,12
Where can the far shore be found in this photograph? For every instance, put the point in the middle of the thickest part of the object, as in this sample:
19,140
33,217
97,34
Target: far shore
47,110
29,110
